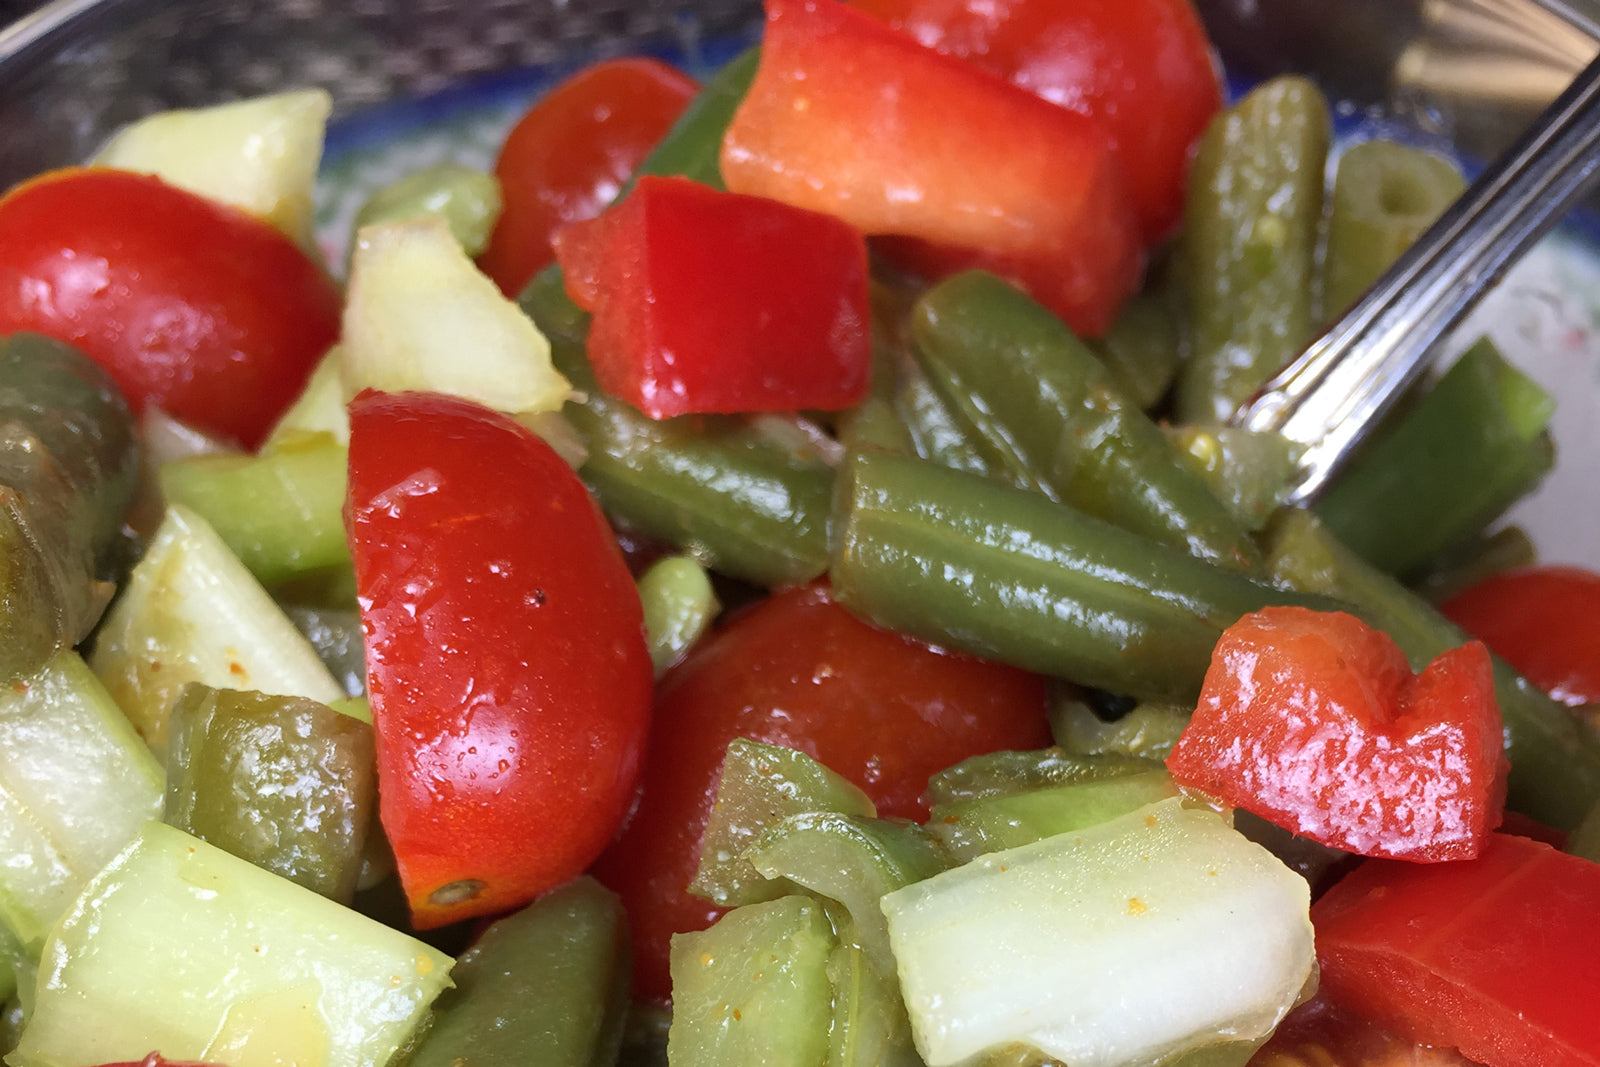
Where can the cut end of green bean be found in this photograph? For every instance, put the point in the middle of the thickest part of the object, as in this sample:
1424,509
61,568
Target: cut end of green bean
679,607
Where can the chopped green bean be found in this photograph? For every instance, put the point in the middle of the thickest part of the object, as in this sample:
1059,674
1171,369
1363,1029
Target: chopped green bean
679,605
1143,349
1384,195
544,985
1249,244
1251,473
1446,468
1473,561
968,562
694,144
1049,412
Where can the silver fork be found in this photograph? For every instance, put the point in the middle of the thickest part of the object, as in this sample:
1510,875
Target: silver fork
1329,397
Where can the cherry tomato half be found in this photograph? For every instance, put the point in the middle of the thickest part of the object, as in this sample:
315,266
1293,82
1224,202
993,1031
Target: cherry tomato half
204,311
508,672
566,158
1544,621
884,710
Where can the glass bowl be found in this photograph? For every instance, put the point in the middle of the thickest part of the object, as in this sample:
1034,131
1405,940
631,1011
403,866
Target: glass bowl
1462,73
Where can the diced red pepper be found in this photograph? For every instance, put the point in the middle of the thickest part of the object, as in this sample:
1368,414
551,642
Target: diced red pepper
1314,721
708,302
1144,68
849,117
1498,956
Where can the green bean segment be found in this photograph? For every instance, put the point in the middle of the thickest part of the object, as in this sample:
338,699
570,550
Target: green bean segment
286,783
1384,195
693,146
68,466
1249,244
1444,470
545,985
1049,412
968,562
1143,349
679,605
1555,759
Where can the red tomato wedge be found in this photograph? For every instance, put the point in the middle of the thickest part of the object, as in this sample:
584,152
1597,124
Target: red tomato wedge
1498,956
566,158
1544,621
507,667
882,709
199,309
708,302
851,118
1144,68
1313,720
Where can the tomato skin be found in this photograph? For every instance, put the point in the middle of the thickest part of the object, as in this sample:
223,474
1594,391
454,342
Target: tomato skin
833,79
1144,68
884,710
565,158
194,307
1497,956
1313,720
1544,621
507,667
708,302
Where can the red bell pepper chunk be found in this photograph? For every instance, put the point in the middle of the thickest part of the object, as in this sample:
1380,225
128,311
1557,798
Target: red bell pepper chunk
1498,957
848,117
1314,721
708,302
1144,68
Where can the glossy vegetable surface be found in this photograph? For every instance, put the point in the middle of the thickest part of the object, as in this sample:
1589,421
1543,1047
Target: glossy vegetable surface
1545,621
1494,956
1142,68
1315,721
568,155
707,302
198,309
69,461
832,80
509,677
881,709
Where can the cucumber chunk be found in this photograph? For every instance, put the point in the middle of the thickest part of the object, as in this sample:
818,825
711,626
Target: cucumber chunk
760,786
420,315
1130,942
753,988
178,946
260,155
192,612
75,785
